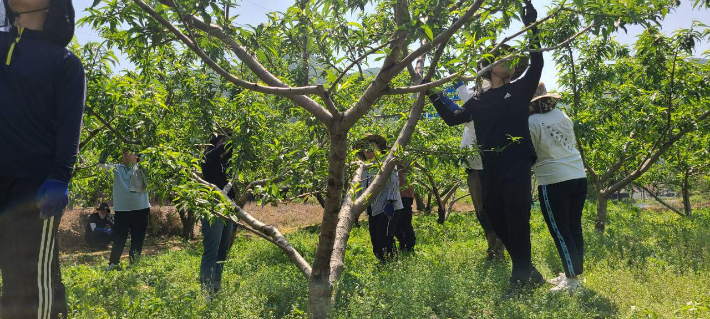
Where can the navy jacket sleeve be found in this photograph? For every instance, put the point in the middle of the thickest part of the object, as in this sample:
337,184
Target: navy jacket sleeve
451,113
70,95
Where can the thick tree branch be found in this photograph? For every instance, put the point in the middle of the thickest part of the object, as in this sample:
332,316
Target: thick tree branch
646,165
661,201
276,86
268,230
358,60
390,69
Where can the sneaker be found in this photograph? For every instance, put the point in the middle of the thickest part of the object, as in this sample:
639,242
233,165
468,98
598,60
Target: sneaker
567,284
556,281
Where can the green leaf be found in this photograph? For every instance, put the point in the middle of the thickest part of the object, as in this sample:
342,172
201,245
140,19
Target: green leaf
429,33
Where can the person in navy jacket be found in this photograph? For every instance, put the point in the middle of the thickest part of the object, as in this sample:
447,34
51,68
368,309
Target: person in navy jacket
42,93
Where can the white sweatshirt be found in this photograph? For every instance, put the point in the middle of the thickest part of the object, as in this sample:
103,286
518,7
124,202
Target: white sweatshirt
469,132
558,159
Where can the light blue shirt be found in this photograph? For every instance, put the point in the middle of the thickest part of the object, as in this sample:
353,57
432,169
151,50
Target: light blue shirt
123,199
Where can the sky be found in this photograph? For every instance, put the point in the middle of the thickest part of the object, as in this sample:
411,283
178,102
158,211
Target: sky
253,12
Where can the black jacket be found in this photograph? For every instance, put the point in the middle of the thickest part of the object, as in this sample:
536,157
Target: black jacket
500,116
214,166
42,95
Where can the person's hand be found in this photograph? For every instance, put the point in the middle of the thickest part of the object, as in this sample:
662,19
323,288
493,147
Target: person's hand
529,13
109,231
52,198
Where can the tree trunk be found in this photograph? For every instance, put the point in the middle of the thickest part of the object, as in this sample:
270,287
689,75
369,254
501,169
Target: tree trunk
686,196
427,209
320,289
420,202
188,219
602,201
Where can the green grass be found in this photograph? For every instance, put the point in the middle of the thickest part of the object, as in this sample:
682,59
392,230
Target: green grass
647,265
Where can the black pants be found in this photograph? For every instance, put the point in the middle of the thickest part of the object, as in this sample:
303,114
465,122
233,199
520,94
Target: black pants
405,230
135,221
382,231
562,205
29,255
506,200
98,239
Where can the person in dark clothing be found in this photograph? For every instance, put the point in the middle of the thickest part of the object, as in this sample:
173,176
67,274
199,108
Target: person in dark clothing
42,91
405,231
500,115
216,234
99,229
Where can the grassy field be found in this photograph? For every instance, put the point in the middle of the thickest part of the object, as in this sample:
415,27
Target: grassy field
647,265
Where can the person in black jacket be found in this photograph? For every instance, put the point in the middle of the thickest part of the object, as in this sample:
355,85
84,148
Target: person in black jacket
99,228
42,91
216,234
500,116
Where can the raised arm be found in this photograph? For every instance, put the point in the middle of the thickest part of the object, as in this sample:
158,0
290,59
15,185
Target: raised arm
528,83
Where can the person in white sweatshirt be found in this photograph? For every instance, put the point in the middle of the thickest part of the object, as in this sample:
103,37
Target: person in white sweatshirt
562,183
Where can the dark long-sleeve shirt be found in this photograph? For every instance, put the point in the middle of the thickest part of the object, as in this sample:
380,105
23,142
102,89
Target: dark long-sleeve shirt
42,94
214,167
500,116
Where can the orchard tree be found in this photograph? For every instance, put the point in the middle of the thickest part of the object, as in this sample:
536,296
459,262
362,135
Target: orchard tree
410,41
631,105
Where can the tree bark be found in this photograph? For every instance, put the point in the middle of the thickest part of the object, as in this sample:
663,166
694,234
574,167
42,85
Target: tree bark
602,201
320,288
685,190
188,219
421,206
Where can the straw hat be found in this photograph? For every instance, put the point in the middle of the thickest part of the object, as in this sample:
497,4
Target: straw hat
543,102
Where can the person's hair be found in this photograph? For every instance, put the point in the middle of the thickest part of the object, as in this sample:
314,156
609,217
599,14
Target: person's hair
59,25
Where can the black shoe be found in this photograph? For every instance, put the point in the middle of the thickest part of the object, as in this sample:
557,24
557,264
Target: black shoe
536,278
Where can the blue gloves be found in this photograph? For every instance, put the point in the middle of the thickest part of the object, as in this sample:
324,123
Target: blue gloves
389,210
109,231
52,198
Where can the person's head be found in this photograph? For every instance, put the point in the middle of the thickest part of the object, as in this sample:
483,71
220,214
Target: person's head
103,210
542,101
217,139
503,72
129,157
370,145
54,17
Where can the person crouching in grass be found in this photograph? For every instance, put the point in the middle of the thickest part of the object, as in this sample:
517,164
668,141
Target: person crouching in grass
99,228
381,213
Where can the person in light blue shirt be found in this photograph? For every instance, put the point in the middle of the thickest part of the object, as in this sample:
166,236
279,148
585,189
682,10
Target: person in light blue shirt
131,206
